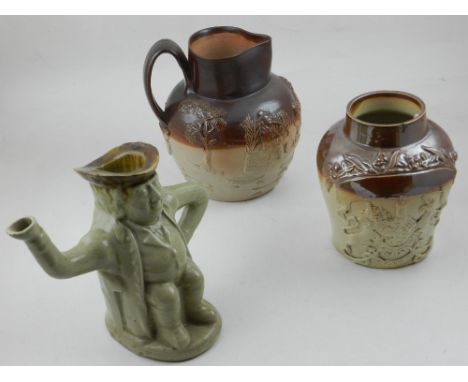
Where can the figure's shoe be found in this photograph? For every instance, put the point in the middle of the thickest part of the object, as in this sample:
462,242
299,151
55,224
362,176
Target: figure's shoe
177,338
202,314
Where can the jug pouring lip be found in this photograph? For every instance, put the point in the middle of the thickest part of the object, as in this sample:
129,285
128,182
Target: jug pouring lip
253,40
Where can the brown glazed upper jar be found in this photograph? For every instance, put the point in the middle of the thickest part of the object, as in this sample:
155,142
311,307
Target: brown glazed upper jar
385,171
231,124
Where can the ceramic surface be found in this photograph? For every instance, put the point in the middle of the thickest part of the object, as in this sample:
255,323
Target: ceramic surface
152,287
385,172
231,124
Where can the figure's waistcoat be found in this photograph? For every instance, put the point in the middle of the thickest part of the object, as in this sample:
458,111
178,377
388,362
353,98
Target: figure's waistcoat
162,249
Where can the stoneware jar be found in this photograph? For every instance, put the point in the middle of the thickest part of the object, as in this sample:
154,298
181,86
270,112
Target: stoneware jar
385,171
231,124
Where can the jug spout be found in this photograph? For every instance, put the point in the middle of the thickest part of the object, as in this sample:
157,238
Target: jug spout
228,62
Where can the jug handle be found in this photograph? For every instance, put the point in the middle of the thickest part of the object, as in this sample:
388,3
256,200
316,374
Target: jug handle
160,47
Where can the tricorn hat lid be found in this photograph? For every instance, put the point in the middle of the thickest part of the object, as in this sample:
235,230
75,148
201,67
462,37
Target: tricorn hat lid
126,165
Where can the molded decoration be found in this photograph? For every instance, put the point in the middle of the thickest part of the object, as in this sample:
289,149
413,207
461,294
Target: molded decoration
152,287
386,171
231,124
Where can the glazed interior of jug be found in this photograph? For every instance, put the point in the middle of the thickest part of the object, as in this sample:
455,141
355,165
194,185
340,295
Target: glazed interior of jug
384,108
128,162
224,44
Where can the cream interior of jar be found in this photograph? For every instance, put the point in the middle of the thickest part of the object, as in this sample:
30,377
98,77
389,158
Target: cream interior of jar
391,109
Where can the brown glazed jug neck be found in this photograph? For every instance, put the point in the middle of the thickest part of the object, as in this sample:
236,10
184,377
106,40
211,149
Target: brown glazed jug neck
228,62
386,119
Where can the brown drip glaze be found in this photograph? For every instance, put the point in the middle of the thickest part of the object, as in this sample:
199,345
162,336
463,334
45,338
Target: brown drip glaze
231,124
127,165
227,62
385,134
386,160
227,79
274,101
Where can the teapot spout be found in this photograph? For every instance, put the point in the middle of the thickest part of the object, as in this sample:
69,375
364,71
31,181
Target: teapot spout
55,263
46,253
23,229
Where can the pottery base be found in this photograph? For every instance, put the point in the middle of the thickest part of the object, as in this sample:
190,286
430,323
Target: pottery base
384,232
236,173
240,198
204,336
378,263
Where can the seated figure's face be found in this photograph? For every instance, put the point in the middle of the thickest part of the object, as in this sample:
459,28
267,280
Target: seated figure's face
144,202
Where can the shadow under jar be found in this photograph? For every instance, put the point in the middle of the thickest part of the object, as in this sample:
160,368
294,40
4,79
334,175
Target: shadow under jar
385,172
231,124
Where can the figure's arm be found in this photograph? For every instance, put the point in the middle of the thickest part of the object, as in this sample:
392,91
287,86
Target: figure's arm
195,200
88,255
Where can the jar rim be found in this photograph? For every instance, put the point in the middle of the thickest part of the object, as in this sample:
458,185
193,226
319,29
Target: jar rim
398,96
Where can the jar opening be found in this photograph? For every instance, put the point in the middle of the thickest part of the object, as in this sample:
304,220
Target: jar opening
386,108
220,45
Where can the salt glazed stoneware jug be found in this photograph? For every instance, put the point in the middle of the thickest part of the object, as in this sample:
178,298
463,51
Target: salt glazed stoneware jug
385,171
231,124
152,287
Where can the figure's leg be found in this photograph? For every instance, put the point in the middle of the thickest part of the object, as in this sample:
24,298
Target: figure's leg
192,286
164,301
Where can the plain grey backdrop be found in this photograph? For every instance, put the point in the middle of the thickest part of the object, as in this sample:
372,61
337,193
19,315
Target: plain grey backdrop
71,88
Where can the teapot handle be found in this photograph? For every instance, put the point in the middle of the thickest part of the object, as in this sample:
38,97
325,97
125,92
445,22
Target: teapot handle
160,47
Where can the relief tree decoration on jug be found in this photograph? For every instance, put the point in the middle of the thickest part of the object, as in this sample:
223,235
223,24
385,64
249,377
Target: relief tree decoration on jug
266,127
231,124
206,128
